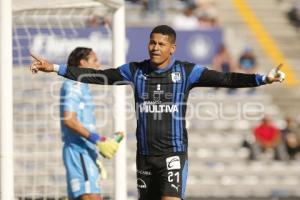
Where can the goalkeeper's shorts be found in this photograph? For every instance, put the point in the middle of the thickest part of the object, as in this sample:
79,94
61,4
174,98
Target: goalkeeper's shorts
82,173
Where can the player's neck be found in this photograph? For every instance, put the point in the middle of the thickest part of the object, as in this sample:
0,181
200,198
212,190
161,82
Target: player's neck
162,65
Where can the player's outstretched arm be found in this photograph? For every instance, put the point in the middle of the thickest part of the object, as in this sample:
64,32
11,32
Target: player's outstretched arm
85,75
211,78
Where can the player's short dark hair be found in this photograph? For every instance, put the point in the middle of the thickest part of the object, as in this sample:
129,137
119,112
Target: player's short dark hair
78,54
165,30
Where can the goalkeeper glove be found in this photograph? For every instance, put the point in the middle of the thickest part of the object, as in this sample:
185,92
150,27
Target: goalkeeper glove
275,75
107,147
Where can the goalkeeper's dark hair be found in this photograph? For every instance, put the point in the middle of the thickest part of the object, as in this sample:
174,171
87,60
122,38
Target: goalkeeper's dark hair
165,30
79,53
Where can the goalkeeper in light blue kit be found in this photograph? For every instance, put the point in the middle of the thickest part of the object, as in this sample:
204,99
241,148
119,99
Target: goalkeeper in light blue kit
82,144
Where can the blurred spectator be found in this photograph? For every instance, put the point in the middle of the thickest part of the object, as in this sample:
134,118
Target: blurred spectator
207,13
187,20
188,2
207,20
98,21
267,140
247,61
247,64
151,7
294,15
223,62
290,138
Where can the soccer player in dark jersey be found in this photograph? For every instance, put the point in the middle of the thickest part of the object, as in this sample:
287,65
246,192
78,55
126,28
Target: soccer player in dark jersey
161,88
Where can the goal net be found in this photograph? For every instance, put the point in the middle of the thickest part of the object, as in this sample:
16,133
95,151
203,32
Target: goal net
52,29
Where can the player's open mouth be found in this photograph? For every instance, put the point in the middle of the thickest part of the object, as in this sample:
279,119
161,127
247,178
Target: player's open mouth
154,55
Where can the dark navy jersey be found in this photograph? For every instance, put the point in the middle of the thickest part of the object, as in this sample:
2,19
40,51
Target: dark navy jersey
161,96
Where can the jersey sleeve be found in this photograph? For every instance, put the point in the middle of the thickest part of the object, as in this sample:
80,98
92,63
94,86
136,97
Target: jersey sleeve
71,97
195,74
212,78
126,73
87,75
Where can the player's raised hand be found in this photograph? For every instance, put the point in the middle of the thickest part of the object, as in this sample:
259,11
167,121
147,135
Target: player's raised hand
40,64
275,75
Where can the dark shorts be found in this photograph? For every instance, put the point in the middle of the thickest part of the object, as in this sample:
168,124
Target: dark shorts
159,176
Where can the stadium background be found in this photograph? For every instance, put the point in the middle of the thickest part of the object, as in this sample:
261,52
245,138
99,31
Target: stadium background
218,122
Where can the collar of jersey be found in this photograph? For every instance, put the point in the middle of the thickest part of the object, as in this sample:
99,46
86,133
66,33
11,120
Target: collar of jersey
165,68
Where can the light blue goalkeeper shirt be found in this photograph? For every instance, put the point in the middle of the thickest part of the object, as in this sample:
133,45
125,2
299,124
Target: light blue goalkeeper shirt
76,97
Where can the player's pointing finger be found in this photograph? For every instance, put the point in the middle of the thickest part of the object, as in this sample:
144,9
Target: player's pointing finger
33,67
36,58
279,67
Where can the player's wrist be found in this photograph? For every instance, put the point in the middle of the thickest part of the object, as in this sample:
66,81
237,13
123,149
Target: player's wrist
95,138
266,79
260,79
56,68
62,70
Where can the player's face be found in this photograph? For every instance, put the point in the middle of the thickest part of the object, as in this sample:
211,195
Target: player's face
91,62
160,50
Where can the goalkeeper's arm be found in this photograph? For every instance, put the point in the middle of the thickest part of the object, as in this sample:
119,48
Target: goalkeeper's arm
107,146
70,120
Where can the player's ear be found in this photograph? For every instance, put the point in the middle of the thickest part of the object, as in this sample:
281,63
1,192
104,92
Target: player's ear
83,62
173,49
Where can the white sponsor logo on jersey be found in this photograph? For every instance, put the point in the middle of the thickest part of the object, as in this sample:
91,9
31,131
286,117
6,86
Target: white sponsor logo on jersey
141,183
157,108
158,87
147,173
176,76
175,187
173,162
